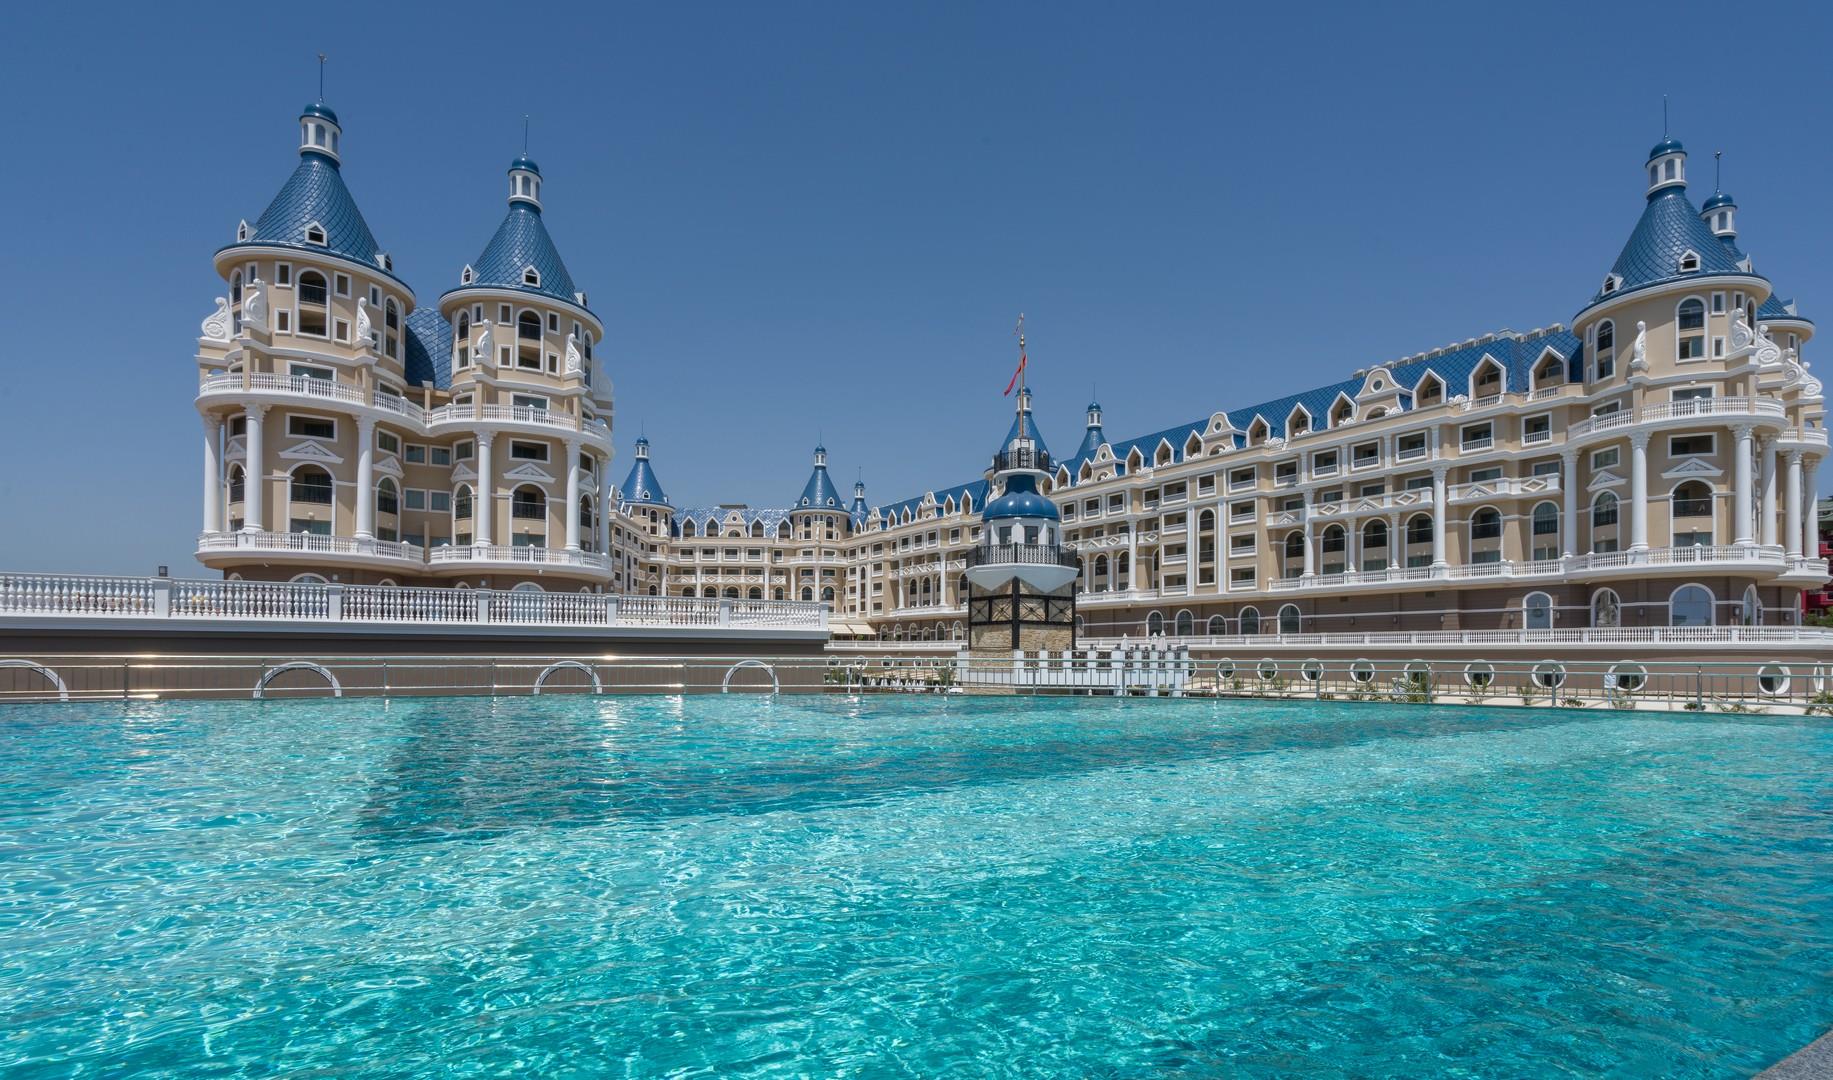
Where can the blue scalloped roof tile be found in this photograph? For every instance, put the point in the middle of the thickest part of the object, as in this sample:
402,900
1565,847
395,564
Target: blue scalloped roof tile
429,348
316,193
976,489
522,241
1669,227
702,516
642,485
820,493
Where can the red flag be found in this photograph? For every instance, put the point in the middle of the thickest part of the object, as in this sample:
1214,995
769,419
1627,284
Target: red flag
1015,374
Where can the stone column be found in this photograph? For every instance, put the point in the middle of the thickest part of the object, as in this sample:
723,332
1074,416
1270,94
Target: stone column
605,506
213,475
572,495
484,506
1743,495
1766,529
1192,545
1792,532
1310,550
1440,517
254,484
1396,541
1810,498
1638,491
1569,481
1133,553
365,478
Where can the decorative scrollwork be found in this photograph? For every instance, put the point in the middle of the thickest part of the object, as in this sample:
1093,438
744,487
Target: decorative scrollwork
254,305
219,325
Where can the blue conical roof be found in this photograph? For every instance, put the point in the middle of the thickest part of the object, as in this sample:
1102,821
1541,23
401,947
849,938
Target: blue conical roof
819,493
315,194
641,486
1092,441
1023,426
521,241
859,511
1669,228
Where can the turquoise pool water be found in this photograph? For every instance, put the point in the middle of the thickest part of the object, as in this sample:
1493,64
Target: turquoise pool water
908,886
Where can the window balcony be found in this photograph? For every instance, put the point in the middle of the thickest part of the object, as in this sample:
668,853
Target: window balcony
454,555
219,547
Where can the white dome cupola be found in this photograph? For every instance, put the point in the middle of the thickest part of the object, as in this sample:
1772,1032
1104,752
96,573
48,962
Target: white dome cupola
319,132
525,182
1667,167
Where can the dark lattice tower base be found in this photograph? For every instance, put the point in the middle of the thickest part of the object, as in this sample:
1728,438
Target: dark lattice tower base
1017,616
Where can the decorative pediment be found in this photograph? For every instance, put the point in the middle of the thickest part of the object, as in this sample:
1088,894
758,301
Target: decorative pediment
1693,467
311,451
1219,424
1604,478
464,472
528,470
388,465
1379,381
236,449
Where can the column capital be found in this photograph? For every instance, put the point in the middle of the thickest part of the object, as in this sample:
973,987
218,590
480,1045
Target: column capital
1743,431
1440,472
573,447
212,423
1795,456
256,412
1569,455
1639,439
483,438
366,425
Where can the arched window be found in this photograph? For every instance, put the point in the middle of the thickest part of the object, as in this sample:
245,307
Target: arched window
1751,613
1691,506
827,593
461,340
1546,530
311,484
1486,524
528,503
1606,610
1332,545
1690,329
236,477
731,592
1690,605
1290,621
1606,364
1537,612
461,502
527,587
391,328
1217,626
528,340
1604,520
1374,534
808,592
313,303
1185,625
709,593
776,593
1419,529
754,593
388,497
1155,624
1250,620
307,579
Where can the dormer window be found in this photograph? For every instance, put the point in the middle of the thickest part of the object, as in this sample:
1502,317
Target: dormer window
531,276
465,276
1612,282
241,232
1689,262
315,233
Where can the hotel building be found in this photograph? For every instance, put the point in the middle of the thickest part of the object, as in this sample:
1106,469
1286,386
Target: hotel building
1651,464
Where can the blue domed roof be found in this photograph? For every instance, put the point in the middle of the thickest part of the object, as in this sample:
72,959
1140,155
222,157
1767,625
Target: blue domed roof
1021,500
1721,199
429,348
641,486
1666,146
525,163
319,109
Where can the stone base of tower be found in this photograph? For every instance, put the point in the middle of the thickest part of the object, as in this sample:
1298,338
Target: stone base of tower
1017,617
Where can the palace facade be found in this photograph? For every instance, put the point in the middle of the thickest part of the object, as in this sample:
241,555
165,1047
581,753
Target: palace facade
1653,463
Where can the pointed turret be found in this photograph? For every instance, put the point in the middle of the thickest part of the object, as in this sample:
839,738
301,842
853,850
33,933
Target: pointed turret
1022,536
641,487
522,255
314,210
1672,240
1092,441
859,511
819,493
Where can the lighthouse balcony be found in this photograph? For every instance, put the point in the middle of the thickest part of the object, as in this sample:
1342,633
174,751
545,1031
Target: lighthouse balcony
1030,458
1020,555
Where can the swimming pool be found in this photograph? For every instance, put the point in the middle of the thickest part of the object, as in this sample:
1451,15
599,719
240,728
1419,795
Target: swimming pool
909,886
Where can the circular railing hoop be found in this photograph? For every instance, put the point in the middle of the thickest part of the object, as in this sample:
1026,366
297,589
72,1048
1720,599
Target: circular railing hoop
725,685
337,688
573,665
63,692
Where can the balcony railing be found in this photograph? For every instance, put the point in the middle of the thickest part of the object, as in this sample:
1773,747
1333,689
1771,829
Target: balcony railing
508,553
1020,555
50,596
1022,459
308,544
1677,410
346,393
1755,556
1645,635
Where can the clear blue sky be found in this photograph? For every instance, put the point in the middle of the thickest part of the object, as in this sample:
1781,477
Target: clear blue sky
823,219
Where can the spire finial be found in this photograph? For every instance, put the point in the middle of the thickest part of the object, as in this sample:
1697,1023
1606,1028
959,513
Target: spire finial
1664,116
321,78
1716,171
1020,331
524,134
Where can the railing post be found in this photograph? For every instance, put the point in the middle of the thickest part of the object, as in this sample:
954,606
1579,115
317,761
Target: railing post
334,601
611,610
162,598
483,609
725,611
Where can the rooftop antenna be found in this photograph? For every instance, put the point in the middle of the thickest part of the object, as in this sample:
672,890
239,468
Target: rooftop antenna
321,78
1020,331
1716,171
1664,117
524,134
